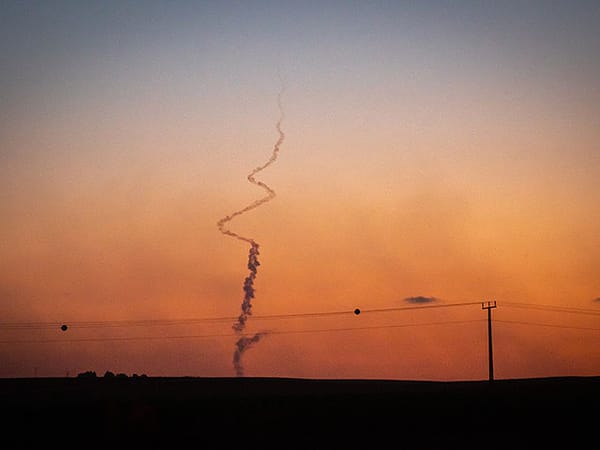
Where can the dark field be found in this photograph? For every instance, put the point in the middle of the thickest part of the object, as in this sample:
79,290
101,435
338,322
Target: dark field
299,413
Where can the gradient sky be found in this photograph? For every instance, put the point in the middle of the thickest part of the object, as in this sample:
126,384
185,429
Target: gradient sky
435,149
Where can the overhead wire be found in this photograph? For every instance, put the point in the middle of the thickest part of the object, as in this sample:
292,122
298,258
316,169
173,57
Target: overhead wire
540,324
553,308
548,308
219,335
193,321
317,314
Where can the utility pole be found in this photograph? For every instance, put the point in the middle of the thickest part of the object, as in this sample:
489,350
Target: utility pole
489,306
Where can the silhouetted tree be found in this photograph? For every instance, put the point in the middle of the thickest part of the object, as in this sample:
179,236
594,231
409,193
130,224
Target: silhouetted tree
88,374
109,374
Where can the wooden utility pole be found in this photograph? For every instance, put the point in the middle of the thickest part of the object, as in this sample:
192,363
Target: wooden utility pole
489,306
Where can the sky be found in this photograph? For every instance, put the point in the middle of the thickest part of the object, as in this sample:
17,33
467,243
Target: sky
435,153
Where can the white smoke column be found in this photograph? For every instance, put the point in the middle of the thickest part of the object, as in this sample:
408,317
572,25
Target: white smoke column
244,342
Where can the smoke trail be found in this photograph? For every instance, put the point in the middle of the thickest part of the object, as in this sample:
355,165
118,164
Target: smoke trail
244,342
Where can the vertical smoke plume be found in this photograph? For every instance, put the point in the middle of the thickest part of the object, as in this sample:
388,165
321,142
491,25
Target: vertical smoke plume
244,342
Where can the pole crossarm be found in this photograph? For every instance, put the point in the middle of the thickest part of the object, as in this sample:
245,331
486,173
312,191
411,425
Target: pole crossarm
488,305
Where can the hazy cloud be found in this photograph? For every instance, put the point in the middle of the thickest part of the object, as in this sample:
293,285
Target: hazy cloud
419,300
596,300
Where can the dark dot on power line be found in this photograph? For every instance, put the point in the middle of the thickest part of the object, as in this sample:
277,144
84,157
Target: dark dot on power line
357,311
64,327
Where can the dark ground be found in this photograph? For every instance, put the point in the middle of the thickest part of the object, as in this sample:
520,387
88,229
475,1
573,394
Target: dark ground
299,413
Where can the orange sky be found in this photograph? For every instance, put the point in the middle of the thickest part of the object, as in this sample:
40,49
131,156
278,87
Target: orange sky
448,159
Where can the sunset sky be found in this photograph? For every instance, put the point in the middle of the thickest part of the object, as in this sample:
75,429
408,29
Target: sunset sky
443,151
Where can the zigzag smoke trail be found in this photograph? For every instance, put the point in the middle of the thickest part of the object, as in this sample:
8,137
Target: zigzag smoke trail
245,342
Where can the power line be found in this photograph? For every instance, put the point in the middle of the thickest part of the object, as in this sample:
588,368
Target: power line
374,327
194,321
203,336
540,324
297,331
553,308
407,308
112,323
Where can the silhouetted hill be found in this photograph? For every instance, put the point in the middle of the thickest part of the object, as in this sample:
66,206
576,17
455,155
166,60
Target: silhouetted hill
299,413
